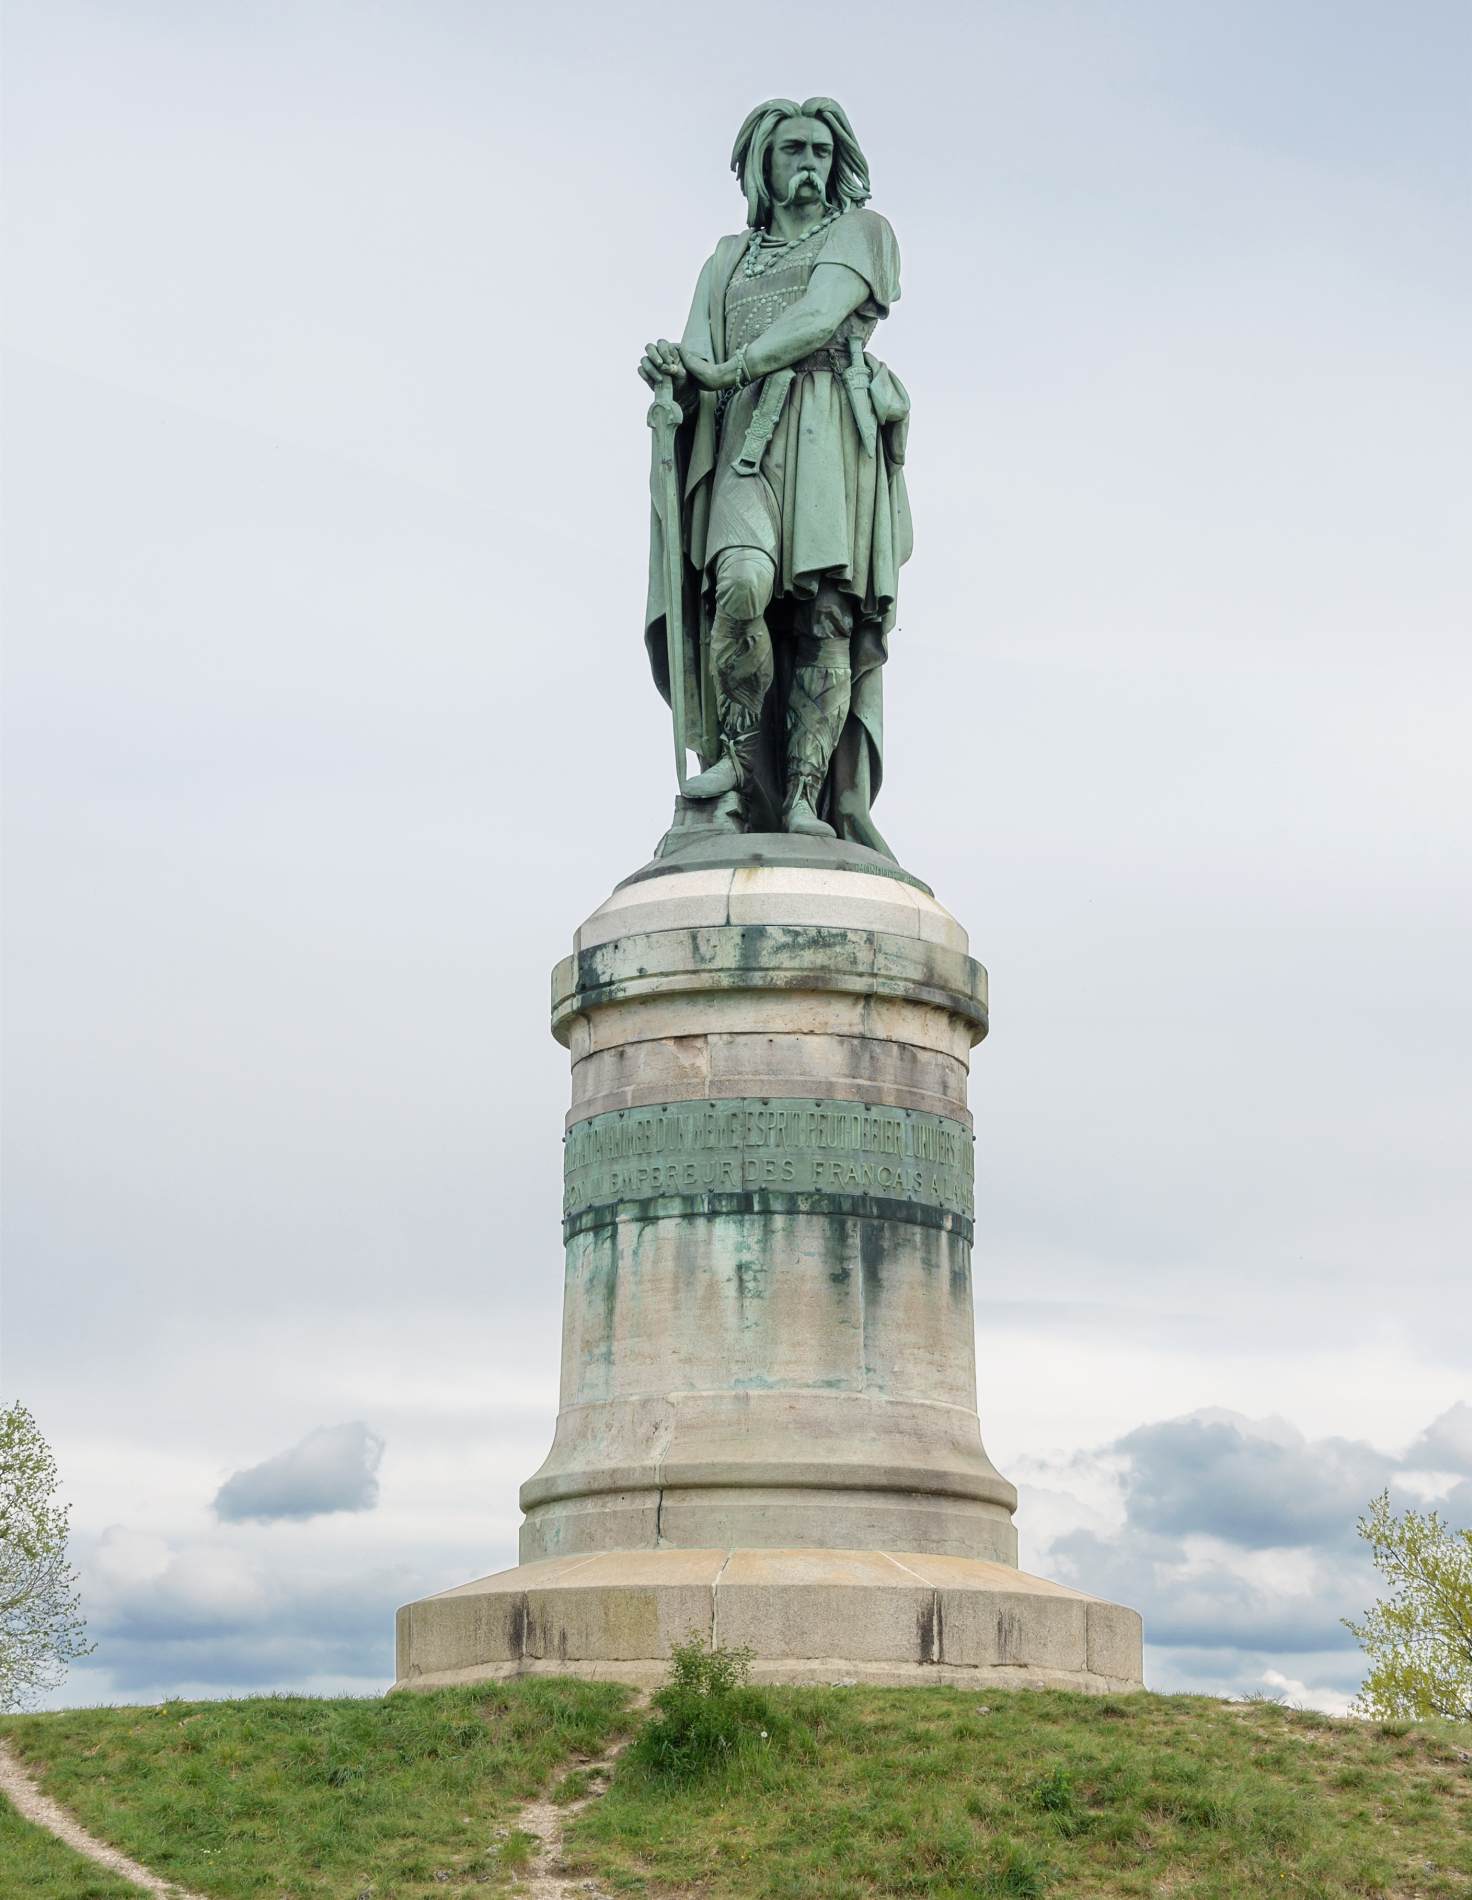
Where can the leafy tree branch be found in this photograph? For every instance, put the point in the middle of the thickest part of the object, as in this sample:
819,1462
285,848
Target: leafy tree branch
41,1628
1418,1639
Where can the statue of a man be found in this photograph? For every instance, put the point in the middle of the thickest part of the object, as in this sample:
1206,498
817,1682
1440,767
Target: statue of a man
794,519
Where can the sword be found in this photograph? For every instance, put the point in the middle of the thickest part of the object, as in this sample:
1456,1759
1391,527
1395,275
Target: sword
664,420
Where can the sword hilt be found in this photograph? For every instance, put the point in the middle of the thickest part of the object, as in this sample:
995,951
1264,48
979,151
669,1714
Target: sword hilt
664,411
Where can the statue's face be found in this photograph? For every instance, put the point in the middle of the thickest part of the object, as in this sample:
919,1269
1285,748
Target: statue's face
800,161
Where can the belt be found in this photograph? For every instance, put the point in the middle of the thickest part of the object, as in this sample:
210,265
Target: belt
826,358
771,397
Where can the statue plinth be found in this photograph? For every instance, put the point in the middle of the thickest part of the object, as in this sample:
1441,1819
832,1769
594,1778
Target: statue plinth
768,1427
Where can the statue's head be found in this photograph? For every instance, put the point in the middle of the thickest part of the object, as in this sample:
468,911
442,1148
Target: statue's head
788,153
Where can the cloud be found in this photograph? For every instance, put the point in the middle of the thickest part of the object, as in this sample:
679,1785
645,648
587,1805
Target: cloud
1203,1594
1236,1540
1446,1443
332,1469
1317,1680
157,1593
1456,1507
221,1615
1290,1689
1262,1485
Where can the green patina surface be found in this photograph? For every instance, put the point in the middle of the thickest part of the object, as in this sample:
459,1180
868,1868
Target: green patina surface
780,517
746,851
828,1152
846,1211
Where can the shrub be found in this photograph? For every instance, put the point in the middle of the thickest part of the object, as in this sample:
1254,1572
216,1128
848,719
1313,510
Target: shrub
706,1715
1054,1793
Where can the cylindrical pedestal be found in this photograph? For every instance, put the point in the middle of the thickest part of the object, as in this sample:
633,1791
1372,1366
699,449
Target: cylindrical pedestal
768,1423
767,1323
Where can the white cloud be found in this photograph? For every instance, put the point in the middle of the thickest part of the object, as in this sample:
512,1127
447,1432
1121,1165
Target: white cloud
238,1611
127,1558
1329,1677
1330,1701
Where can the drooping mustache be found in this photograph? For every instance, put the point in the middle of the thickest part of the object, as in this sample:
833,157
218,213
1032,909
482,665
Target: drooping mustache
801,178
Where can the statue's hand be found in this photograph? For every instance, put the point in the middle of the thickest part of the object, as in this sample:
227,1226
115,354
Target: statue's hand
662,359
706,374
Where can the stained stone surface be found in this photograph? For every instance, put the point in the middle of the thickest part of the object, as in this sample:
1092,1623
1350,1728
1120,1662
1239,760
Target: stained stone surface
877,1616
769,1383
769,1168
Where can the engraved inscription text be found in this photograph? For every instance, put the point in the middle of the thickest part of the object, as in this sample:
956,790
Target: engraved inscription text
793,1147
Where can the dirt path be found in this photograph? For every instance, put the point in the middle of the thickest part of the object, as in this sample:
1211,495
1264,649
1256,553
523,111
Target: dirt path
544,1878
545,1819
20,1787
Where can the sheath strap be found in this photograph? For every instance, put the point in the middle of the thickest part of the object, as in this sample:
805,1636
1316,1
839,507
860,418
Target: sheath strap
763,424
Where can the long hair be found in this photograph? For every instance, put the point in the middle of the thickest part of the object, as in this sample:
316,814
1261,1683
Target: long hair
848,180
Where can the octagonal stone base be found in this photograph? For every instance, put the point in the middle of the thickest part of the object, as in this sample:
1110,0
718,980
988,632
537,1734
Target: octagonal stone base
810,1616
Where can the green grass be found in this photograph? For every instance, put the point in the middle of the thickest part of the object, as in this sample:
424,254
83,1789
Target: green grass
285,1796
955,1796
34,1863
858,1794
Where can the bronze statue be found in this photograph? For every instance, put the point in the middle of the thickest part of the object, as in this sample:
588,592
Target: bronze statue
780,518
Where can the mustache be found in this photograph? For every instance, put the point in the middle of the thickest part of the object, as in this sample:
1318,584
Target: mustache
801,178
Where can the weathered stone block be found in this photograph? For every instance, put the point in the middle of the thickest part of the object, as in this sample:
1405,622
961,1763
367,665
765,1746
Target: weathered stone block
1116,1641
1013,1629
805,1606
701,897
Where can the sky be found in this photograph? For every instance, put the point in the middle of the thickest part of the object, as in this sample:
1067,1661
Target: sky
327,721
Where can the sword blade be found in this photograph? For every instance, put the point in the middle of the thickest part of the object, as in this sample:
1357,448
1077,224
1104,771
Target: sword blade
664,420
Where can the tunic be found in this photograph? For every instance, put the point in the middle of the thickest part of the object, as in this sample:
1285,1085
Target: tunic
820,504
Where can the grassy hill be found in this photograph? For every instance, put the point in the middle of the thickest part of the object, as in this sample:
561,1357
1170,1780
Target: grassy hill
831,1794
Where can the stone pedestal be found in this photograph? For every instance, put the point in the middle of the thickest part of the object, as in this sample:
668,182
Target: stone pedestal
768,1427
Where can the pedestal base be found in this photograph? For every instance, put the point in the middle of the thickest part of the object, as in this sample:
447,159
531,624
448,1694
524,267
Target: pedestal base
809,1616
768,1433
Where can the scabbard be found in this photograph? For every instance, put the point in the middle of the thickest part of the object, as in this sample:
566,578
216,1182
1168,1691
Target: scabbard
763,424
856,382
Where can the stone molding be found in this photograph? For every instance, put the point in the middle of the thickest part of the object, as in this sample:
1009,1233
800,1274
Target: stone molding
750,958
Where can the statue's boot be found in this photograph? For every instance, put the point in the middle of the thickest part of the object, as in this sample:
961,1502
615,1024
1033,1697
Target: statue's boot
816,710
741,649
732,770
716,780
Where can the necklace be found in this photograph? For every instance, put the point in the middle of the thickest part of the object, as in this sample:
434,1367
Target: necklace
759,260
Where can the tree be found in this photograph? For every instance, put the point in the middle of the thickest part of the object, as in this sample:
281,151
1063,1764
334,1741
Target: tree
41,1630
1419,1640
